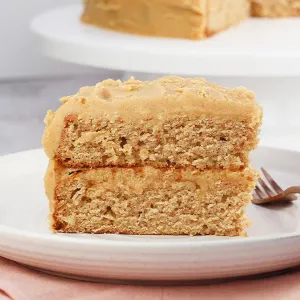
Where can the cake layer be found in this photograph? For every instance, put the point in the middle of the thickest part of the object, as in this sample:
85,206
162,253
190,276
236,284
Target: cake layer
148,200
180,19
276,8
169,122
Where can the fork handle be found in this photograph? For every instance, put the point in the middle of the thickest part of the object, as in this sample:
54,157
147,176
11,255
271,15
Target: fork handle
292,190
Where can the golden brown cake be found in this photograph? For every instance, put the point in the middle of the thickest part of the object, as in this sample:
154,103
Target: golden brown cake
276,8
191,19
169,156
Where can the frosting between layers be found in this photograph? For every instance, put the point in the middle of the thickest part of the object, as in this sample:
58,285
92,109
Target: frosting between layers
136,102
154,177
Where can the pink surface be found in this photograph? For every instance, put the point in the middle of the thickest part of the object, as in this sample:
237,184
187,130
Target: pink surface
19,283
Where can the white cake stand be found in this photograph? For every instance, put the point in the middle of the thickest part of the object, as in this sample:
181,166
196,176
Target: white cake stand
257,47
263,55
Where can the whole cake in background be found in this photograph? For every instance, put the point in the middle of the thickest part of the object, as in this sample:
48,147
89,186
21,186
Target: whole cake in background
276,8
188,19
169,156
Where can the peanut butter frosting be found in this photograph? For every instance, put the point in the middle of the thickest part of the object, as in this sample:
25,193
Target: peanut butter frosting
150,101
190,19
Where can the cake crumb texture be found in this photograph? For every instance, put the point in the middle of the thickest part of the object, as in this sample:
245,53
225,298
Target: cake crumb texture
204,142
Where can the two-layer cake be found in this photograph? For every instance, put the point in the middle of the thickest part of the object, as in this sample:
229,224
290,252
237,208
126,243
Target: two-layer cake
168,156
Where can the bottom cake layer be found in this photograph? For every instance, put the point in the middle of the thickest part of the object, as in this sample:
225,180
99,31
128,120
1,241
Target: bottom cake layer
148,200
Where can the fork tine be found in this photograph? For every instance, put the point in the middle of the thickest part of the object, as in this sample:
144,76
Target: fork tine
272,182
266,188
259,192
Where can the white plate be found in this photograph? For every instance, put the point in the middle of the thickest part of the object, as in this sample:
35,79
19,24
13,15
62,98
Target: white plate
273,242
258,47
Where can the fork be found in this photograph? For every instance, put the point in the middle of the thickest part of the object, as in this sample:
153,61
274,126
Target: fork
270,192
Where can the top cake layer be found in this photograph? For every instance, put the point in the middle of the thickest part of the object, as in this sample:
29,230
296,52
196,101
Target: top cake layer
170,121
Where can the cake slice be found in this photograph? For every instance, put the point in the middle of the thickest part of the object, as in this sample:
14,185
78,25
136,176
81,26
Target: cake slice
168,156
149,200
168,122
276,8
179,19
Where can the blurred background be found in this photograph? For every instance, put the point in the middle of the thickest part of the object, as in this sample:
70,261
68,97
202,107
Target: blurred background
31,83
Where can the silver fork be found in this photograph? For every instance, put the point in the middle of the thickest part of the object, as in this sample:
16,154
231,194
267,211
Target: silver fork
268,191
